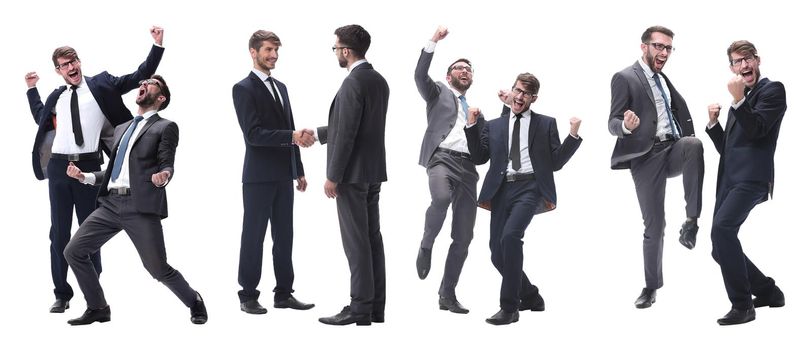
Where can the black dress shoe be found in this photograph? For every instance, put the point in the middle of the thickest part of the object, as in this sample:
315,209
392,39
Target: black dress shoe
535,303
377,317
292,303
253,307
92,315
423,263
199,314
737,316
646,298
60,306
451,304
687,234
346,317
503,317
774,299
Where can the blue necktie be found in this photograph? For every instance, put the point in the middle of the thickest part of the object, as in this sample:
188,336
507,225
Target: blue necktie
674,131
464,104
122,148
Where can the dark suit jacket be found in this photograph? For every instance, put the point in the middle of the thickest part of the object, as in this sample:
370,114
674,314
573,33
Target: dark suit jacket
270,153
547,154
747,144
631,91
152,151
354,134
106,89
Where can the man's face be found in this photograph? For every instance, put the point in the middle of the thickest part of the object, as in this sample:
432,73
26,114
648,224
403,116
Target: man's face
341,52
70,68
461,76
656,51
265,58
746,65
520,99
149,93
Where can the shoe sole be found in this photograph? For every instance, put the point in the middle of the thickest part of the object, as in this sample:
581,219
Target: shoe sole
645,306
445,308
102,320
255,312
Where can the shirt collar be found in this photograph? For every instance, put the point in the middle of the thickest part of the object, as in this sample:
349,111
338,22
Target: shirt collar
260,74
646,68
357,63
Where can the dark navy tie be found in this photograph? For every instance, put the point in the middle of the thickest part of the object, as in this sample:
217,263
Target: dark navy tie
674,131
122,148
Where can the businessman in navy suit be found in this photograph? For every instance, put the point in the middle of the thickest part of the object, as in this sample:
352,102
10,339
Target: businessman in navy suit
272,162
746,148
75,124
524,150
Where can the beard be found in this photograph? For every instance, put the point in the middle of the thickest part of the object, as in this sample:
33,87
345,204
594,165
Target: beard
147,100
342,62
459,85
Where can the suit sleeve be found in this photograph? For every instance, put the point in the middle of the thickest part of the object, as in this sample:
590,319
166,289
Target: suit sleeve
717,135
619,105
757,121
350,112
425,86
562,152
296,150
167,148
127,83
477,138
253,131
35,103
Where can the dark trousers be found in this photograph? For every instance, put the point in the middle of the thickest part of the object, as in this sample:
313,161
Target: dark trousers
452,181
264,202
742,278
513,207
116,213
684,157
359,220
66,193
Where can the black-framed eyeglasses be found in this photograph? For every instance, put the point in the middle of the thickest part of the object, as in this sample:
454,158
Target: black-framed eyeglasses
738,61
468,69
660,47
519,92
340,47
151,81
67,64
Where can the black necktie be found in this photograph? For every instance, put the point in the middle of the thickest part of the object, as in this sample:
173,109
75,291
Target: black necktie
515,158
74,116
275,95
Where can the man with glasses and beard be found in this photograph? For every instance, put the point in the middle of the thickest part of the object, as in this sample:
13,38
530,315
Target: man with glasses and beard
452,173
144,150
655,140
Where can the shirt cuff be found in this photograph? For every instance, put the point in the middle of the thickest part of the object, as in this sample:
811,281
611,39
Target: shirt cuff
430,46
710,126
737,104
625,131
90,178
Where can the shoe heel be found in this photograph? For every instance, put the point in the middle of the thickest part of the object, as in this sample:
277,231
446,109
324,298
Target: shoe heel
103,320
363,323
443,307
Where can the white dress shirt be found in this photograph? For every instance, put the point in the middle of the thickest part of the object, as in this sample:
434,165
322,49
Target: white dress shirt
524,150
90,116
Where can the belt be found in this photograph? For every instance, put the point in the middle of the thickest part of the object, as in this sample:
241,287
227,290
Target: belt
455,153
77,156
664,138
518,177
121,191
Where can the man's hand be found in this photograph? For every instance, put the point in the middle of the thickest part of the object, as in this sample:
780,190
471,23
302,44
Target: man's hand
159,179
504,96
736,87
630,120
440,34
301,184
304,137
575,124
473,114
31,79
75,172
713,113
157,35
330,189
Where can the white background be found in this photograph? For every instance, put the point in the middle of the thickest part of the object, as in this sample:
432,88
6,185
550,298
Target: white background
585,256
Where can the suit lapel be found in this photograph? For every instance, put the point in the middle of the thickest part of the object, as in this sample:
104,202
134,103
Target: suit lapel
534,123
260,85
149,123
641,75
92,86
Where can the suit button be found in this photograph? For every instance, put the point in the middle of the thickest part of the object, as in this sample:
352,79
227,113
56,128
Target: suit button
451,126
442,137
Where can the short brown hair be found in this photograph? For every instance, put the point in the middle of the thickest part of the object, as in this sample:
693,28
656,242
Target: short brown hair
260,36
64,52
531,81
164,91
355,37
451,66
742,47
655,29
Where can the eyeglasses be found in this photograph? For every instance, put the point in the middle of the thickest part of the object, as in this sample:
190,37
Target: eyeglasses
518,92
660,47
468,69
151,81
74,62
738,61
341,47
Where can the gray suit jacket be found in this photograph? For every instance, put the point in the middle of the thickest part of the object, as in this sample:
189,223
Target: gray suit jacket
441,107
631,91
354,134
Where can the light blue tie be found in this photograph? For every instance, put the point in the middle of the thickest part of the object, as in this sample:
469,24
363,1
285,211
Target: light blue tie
122,148
464,104
674,131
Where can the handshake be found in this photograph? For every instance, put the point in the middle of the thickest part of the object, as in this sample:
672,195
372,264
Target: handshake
304,137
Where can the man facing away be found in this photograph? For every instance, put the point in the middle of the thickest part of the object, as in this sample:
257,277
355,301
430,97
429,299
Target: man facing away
452,173
655,140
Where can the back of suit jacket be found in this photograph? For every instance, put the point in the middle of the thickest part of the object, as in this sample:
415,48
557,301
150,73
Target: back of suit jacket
747,144
270,154
354,135
153,151
631,91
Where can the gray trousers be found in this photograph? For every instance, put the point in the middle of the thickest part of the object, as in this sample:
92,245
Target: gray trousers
452,181
665,160
114,214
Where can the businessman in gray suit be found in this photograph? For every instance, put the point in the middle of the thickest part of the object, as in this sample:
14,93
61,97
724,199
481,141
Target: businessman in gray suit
655,140
356,166
452,173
